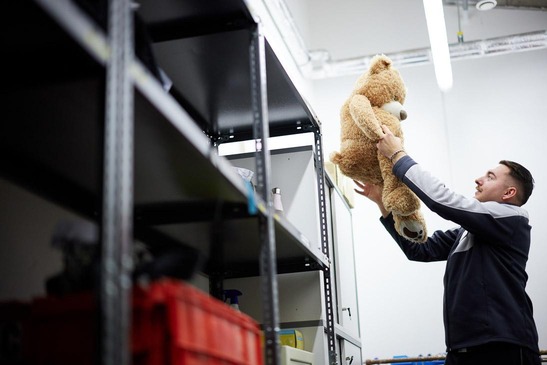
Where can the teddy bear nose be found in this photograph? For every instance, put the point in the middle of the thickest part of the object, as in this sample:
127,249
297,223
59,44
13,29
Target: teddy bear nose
403,115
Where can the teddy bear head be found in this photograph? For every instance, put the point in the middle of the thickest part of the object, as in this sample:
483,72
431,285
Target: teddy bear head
383,86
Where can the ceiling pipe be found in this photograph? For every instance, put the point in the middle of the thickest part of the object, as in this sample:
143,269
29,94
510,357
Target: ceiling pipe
539,5
458,51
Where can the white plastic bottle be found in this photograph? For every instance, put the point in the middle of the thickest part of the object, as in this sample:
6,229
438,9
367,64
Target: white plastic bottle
277,203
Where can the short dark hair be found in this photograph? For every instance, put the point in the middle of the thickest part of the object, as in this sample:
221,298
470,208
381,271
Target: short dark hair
524,179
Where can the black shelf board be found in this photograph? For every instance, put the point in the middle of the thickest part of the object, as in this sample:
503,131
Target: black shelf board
219,64
210,69
189,211
181,19
238,236
42,181
190,20
37,50
248,269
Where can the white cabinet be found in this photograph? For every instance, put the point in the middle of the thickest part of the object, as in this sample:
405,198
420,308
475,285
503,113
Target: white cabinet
344,265
343,272
303,300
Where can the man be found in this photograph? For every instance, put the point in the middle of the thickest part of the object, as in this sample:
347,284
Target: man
487,313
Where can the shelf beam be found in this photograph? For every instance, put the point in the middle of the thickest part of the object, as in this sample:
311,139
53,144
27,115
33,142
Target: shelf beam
327,277
268,270
117,216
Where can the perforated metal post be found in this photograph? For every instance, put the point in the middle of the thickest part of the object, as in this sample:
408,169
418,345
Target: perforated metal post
327,279
261,132
117,219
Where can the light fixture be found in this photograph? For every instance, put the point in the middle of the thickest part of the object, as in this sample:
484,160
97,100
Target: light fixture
484,5
440,52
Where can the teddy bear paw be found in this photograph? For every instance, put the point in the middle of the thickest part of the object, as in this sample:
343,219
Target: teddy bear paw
413,231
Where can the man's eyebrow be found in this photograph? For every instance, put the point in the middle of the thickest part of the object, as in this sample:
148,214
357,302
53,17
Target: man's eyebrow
490,172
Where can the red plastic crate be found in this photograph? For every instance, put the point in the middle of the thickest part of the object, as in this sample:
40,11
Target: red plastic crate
61,331
173,323
13,315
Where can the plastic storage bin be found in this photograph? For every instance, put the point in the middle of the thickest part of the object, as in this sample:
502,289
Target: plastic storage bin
173,323
13,315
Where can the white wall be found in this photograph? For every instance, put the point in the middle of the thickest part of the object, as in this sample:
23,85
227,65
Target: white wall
496,110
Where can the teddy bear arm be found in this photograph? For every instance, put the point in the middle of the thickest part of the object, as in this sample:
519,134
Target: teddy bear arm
363,115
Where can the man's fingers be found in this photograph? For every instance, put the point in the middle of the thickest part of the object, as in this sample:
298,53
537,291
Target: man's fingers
386,129
362,186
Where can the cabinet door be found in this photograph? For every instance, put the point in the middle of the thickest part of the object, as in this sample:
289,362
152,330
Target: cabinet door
344,263
350,354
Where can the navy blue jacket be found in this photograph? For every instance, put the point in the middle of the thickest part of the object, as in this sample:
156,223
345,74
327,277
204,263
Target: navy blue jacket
485,278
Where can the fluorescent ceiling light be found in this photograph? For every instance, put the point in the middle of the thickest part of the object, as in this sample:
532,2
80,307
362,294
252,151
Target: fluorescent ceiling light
436,28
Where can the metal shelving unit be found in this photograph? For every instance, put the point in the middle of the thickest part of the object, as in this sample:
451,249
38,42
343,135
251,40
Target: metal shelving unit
70,91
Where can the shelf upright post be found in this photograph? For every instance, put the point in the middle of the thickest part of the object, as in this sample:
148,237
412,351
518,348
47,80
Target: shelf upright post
261,133
117,211
327,277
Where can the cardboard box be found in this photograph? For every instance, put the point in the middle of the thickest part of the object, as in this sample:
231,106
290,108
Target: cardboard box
292,338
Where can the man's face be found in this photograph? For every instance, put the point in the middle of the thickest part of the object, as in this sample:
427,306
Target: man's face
494,185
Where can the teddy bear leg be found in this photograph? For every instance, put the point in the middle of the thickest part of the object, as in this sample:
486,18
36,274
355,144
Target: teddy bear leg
396,196
400,200
412,227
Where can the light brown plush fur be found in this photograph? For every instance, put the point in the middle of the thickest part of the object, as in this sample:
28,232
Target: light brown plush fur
361,119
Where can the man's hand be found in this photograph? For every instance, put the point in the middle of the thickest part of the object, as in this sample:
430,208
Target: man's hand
372,192
389,144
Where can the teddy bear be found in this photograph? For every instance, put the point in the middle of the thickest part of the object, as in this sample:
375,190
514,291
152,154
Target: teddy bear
378,98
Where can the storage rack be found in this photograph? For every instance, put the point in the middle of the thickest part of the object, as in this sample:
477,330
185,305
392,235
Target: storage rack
70,91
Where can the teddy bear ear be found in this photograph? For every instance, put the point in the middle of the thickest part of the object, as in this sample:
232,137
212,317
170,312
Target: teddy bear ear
379,63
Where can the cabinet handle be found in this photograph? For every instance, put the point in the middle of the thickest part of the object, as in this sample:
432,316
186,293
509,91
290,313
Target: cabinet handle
349,360
347,309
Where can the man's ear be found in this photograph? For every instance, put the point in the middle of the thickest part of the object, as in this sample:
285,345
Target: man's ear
510,192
